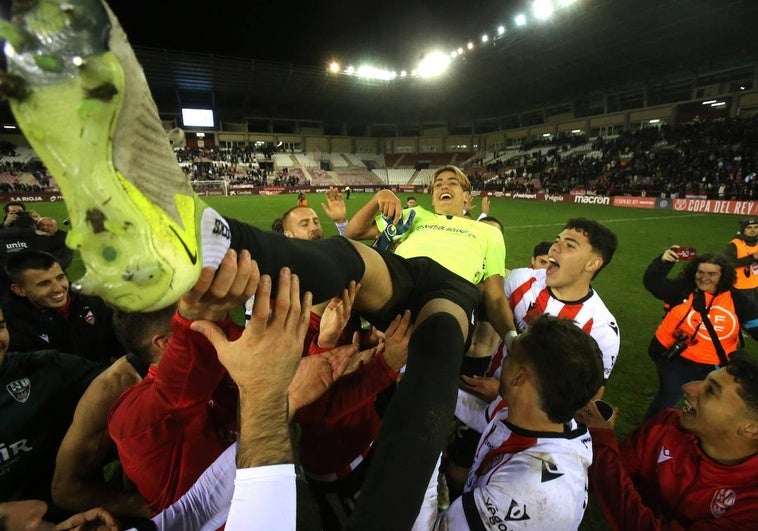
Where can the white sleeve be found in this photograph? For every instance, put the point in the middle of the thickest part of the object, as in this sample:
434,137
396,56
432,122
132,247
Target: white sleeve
264,498
206,505
472,411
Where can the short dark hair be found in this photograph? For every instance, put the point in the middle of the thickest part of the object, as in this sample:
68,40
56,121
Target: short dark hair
18,263
728,271
135,330
744,368
277,225
541,248
601,238
493,219
567,362
409,198
14,203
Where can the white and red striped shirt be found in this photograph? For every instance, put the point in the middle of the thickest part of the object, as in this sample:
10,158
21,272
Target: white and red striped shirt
530,297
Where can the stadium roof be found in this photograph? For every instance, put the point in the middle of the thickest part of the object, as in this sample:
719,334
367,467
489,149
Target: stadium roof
269,59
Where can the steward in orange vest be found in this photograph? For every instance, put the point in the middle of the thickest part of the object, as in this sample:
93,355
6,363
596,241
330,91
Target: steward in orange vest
743,250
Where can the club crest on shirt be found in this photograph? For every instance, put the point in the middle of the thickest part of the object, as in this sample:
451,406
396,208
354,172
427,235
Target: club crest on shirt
20,389
89,317
721,501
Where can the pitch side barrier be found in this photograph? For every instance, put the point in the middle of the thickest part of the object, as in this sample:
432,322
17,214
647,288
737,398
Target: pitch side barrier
685,204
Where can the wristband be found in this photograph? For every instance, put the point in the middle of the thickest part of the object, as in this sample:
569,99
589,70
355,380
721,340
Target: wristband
509,337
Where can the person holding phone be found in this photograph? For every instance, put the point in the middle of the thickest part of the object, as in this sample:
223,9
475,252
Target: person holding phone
686,346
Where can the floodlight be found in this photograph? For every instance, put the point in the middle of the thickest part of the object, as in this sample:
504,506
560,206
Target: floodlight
520,20
654,121
403,73
470,45
350,70
9,127
485,38
413,72
718,104
708,102
576,131
545,135
460,51
334,67
433,64
742,87
453,54
500,30
564,3
542,9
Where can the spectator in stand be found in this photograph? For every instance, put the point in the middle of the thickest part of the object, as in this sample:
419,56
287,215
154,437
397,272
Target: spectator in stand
686,346
43,313
78,483
743,251
693,468
302,201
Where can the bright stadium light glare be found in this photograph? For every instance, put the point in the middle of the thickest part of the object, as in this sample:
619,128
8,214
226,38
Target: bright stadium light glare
500,30
403,73
565,3
485,38
470,45
453,54
708,102
576,131
718,104
460,51
393,74
350,70
542,9
413,72
545,135
655,121
433,64
334,67
520,20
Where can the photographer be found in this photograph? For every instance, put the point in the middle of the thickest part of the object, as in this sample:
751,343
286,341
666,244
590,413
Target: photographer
686,346
15,210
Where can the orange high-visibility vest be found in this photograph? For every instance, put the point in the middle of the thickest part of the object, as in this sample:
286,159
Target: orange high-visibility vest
747,276
686,319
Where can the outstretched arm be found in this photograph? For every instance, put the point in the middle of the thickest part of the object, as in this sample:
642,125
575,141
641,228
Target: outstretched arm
363,227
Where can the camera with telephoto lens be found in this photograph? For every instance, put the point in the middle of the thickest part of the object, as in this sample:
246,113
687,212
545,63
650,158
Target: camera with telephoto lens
677,348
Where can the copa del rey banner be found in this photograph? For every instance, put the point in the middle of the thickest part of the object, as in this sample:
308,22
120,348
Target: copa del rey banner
713,206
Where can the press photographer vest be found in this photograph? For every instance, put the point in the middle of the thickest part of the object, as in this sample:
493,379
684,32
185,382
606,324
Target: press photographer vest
747,276
685,318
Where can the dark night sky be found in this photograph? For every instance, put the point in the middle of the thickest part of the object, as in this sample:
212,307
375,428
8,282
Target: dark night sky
390,32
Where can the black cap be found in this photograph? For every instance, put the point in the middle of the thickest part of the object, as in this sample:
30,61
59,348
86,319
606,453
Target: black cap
747,221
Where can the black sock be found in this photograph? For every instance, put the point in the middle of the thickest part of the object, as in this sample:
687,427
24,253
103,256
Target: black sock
414,429
325,267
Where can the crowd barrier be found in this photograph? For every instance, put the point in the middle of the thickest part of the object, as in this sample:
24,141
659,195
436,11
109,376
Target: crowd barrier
682,204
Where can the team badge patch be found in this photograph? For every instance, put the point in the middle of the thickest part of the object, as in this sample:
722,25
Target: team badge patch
721,501
20,389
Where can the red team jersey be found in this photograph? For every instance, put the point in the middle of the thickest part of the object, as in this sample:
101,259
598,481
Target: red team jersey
659,478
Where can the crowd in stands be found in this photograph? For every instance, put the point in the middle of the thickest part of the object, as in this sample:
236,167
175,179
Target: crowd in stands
716,159
702,158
